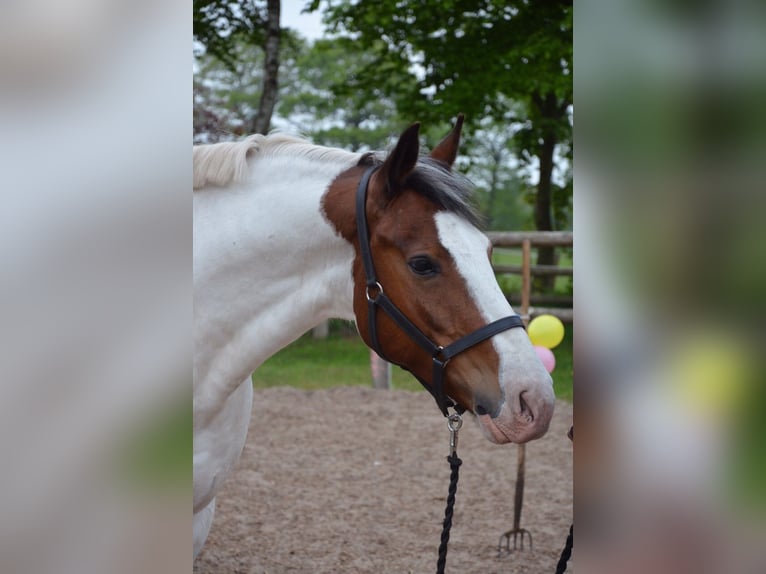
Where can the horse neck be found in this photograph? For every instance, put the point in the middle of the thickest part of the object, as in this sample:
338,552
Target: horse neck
268,267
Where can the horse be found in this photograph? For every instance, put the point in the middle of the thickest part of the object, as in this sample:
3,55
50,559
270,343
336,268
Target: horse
288,234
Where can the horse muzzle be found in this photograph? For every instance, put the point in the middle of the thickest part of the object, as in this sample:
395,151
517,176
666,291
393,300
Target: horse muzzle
522,415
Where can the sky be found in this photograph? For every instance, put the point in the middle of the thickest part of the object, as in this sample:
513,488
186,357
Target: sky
309,25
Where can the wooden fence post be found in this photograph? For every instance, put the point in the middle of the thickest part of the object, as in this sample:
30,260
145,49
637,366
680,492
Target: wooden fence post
526,279
381,371
321,331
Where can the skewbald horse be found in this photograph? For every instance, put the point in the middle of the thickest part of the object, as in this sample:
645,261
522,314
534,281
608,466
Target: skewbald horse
277,250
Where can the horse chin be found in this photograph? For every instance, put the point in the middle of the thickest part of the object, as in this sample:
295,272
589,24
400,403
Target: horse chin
491,431
500,431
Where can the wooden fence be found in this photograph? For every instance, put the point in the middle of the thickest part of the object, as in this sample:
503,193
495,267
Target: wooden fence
530,305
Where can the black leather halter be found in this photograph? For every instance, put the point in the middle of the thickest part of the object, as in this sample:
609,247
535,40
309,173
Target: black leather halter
377,298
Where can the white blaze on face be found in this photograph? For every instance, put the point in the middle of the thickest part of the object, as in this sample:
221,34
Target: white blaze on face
520,370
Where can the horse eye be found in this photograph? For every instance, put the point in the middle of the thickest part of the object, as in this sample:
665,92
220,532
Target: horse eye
423,265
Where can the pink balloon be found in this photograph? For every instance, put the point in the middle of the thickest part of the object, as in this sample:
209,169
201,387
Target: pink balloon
547,358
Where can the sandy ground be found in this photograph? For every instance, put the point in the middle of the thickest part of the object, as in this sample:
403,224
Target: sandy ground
354,480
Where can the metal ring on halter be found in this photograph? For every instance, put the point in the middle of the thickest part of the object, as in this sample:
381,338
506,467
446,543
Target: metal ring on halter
375,285
454,422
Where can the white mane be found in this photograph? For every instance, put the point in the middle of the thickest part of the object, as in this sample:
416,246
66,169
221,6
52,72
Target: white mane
224,163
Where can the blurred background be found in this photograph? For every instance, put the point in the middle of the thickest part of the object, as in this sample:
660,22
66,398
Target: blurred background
670,474
95,296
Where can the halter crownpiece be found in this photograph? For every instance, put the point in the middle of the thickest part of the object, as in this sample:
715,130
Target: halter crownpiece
376,298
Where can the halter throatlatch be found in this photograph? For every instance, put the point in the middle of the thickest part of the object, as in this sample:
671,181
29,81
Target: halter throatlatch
376,298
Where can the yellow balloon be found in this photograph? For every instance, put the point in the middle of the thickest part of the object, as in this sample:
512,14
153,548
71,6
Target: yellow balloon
546,331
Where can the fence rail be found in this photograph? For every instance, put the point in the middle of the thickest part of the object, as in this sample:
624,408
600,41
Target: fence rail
537,238
539,270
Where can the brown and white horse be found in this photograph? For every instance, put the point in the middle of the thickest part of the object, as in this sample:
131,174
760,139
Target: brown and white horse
277,250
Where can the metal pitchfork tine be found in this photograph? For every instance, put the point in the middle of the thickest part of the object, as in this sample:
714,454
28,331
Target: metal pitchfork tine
518,499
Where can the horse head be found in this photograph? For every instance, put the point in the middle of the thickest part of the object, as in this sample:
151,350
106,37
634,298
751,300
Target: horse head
415,228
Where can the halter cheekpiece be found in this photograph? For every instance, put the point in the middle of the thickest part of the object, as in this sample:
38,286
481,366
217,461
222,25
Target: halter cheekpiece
376,298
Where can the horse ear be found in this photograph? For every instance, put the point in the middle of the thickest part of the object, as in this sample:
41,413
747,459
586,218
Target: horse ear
401,161
446,151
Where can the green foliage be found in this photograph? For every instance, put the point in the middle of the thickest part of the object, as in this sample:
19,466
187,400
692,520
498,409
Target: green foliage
494,171
506,61
226,95
219,26
470,50
317,95
322,99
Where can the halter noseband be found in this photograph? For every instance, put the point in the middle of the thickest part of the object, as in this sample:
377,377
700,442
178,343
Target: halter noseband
376,297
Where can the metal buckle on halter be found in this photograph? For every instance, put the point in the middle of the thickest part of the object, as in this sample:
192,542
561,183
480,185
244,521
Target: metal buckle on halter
437,358
375,285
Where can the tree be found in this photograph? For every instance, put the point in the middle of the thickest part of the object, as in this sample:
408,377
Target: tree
210,121
322,98
222,28
495,172
219,25
318,96
262,119
510,60
226,97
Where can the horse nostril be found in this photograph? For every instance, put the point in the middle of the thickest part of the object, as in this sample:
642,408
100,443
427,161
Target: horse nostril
480,410
525,410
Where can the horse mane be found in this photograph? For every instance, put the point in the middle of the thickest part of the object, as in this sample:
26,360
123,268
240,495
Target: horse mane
224,163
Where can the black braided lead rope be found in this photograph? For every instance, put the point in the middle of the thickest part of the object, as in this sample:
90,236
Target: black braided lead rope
454,462
566,553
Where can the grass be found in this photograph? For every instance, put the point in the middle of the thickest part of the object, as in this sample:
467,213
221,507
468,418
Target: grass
340,360
343,359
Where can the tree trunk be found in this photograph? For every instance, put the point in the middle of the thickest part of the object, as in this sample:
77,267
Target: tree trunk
548,111
262,119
